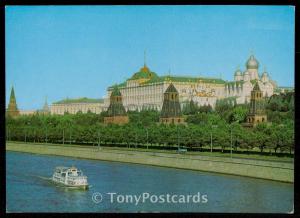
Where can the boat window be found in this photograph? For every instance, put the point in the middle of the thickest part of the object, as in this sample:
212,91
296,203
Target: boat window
63,174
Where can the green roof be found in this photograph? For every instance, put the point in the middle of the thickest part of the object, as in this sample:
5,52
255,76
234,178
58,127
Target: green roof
142,74
116,91
176,79
146,73
79,100
191,79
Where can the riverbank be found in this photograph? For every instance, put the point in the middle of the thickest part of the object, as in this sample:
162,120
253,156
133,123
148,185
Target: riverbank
272,170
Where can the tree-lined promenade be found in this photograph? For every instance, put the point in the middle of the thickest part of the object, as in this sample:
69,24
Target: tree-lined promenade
206,130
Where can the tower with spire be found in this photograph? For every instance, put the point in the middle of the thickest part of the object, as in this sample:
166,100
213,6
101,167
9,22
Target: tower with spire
45,110
116,112
171,111
12,109
257,112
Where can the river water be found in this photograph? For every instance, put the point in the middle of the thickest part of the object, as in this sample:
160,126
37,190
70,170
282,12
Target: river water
115,187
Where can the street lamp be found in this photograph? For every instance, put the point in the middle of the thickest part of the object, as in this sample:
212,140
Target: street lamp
27,123
70,133
98,139
6,133
231,137
230,142
47,132
136,140
63,136
211,144
34,136
177,137
147,137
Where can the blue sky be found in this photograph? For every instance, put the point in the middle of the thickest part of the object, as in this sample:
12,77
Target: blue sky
78,51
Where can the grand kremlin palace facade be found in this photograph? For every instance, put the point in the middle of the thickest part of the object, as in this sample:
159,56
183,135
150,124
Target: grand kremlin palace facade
144,90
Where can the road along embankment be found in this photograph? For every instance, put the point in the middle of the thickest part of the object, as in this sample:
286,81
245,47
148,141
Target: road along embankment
272,170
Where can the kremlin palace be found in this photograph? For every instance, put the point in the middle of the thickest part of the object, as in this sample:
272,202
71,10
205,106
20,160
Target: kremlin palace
145,90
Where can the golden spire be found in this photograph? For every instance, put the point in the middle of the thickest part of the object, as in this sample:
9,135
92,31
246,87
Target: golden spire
145,58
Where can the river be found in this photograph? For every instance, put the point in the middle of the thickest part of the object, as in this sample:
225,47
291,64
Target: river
122,187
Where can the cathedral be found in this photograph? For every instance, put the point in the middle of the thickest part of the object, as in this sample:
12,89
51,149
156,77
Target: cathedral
244,82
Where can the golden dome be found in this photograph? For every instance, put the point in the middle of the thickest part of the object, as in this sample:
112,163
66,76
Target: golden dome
145,69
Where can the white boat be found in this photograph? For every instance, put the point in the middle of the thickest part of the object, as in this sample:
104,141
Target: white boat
70,176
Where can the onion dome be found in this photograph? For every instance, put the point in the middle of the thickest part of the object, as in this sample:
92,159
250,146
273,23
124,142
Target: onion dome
246,73
238,72
265,74
252,63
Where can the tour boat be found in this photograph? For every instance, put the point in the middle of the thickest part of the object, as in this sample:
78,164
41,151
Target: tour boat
70,176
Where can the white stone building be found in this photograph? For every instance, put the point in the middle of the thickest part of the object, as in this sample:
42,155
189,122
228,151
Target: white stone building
145,89
243,83
74,106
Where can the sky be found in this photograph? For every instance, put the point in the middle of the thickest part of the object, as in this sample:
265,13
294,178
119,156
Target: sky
79,51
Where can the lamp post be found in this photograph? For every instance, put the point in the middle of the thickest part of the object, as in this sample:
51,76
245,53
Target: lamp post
63,136
136,140
25,134
211,144
177,137
6,133
34,136
70,134
46,139
47,132
231,137
147,137
28,123
230,142
98,139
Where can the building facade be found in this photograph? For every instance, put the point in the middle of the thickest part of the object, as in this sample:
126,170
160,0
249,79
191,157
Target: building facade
73,106
244,82
145,89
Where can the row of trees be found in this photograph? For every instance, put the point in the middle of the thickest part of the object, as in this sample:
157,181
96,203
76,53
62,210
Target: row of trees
203,130
205,127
